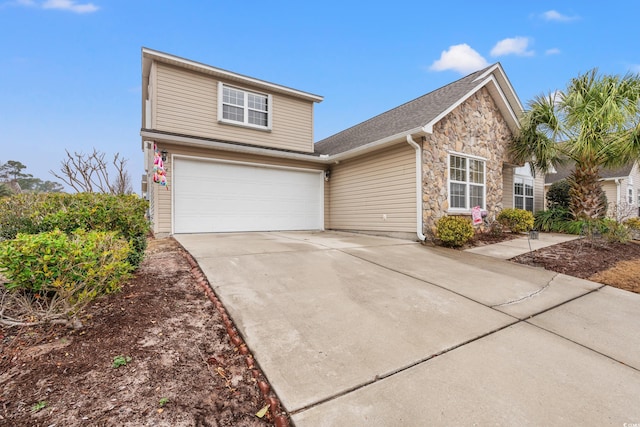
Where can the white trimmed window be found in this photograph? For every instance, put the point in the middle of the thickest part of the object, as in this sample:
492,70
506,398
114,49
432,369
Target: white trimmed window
630,195
242,107
523,193
523,180
466,182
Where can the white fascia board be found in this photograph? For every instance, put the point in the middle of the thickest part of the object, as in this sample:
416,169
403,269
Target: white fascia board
219,72
613,178
186,140
504,81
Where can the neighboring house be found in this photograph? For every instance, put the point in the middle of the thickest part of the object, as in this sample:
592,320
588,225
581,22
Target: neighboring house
621,185
240,156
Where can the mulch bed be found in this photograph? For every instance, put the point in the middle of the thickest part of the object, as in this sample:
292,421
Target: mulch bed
581,258
182,367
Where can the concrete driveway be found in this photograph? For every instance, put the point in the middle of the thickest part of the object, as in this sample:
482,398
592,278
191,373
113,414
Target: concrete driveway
355,330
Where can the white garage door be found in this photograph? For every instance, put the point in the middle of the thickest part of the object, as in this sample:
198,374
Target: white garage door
212,196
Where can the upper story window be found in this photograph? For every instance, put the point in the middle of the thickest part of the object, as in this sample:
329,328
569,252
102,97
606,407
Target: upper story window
630,195
243,107
466,182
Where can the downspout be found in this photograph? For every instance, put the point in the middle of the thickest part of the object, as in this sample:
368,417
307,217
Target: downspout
618,182
419,208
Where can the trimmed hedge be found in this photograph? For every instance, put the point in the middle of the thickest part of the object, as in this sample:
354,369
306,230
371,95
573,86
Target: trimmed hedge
516,220
73,269
454,231
38,213
54,260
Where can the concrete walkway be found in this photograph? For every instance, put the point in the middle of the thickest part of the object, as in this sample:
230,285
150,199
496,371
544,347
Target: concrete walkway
511,248
356,330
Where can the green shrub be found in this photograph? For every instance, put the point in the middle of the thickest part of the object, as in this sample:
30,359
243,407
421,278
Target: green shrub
73,268
558,195
35,213
516,220
591,228
633,223
616,232
553,219
454,231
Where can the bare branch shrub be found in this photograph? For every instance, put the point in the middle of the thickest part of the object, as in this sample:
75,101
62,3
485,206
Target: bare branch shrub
92,173
623,211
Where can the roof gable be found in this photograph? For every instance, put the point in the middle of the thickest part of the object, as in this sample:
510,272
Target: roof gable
149,55
420,114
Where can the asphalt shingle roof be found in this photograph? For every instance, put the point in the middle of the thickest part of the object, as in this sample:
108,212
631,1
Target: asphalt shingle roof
405,117
565,170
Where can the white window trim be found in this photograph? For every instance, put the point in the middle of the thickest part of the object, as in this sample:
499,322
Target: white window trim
630,194
533,198
246,123
468,193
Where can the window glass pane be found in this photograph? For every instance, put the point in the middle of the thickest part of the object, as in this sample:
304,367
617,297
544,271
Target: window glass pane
233,96
257,118
518,202
476,171
257,102
458,168
529,204
518,188
233,113
476,196
528,188
458,195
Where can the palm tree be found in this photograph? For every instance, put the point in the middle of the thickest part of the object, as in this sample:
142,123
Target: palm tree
593,123
5,191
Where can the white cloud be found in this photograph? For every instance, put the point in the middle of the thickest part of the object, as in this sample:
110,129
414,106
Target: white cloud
516,46
552,51
26,3
554,15
461,58
70,5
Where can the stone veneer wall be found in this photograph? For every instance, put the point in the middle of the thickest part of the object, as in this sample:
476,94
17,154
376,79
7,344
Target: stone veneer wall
476,127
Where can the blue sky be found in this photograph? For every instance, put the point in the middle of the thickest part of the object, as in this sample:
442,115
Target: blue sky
70,70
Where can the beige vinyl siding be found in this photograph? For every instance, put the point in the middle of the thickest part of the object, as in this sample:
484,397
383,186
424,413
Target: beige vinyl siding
153,90
365,189
619,203
507,189
635,177
508,173
538,192
186,103
610,188
163,205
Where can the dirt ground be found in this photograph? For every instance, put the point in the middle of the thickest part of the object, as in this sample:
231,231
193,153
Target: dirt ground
183,363
179,364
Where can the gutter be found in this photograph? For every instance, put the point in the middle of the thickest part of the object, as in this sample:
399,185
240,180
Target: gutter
186,140
419,215
326,159
390,140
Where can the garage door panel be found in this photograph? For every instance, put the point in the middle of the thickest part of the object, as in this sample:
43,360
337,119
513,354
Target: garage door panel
217,197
